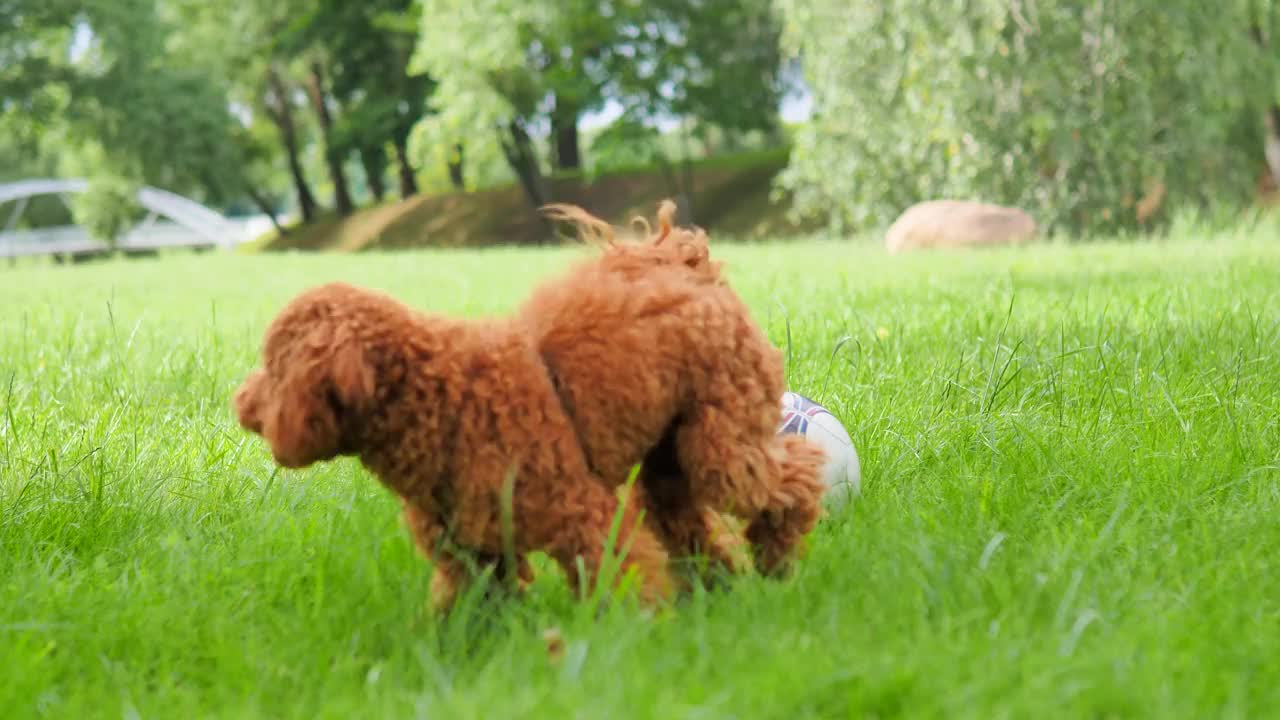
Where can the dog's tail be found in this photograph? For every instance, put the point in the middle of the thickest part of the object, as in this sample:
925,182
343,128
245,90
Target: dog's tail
591,229
668,243
666,221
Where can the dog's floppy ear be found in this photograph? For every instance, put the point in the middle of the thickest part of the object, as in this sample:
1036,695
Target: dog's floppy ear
247,401
351,373
321,386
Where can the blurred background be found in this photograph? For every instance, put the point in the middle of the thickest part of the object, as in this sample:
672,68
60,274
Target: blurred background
330,124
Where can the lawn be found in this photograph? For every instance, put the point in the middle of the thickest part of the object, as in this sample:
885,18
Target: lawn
1071,488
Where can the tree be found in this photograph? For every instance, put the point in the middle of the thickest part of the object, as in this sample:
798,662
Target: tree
306,39
34,69
277,102
238,46
710,65
455,165
352,134
263,182
108,208
626,143
119,105
318,92
718,62
491,85
127,92
372,44
26,152
1071,110
1264,23
520,72
34,77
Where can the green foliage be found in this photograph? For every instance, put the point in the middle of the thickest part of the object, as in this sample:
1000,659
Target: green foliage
540,66
625,143
717,63
484,165
1071,110
497,65
166,126
24,156
261,168
222,99
121,105
629,143
108,208
176,93
364,49
239,45
33,65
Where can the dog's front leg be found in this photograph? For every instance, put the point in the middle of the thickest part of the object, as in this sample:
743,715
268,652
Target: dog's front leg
688,532
456,566
448,572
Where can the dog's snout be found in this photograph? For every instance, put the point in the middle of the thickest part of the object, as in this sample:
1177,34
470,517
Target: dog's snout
248,403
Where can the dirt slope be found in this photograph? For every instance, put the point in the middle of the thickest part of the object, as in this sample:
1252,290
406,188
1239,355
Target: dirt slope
731,198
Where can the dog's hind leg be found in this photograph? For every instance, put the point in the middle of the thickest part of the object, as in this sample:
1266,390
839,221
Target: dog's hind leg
579,529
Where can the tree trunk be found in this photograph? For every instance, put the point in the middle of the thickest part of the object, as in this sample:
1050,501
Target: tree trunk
455,168
279,108
684,210
1271,147
319,101
375,163
261,201
1262,29
408,181
518,150
564,125
677,179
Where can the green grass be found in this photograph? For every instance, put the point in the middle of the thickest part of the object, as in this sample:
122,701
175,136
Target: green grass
1070,503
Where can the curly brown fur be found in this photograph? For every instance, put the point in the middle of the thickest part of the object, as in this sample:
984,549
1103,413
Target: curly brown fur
658,362
441,411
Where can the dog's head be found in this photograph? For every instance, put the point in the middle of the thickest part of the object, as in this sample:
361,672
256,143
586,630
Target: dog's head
315,382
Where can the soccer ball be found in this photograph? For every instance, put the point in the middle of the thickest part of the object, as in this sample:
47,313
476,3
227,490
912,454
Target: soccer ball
843,472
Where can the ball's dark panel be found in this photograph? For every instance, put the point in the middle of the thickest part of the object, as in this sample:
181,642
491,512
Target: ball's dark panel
797,410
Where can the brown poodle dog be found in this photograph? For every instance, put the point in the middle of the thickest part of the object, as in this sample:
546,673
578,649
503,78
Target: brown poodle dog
445,413
658,362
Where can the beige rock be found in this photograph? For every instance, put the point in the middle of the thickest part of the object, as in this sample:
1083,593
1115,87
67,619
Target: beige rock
958,223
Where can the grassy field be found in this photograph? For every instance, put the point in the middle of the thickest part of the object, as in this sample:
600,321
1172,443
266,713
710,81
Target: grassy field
1070,509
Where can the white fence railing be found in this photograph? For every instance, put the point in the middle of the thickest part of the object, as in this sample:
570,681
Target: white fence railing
159,234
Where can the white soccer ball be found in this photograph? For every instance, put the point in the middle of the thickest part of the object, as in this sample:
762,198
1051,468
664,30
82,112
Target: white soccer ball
843,472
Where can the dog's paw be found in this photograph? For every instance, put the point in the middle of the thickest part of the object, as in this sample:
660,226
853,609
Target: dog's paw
443,593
